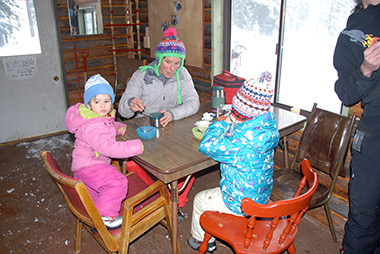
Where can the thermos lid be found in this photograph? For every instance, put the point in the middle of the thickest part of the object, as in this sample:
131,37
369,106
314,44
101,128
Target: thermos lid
217,88
156,115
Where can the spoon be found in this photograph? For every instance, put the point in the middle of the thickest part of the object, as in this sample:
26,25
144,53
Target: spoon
142,129
200,130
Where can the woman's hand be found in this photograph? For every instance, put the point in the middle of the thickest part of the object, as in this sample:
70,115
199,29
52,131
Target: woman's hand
371,60
167,118
137,105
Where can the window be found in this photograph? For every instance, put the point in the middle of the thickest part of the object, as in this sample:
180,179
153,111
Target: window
302,68
18,28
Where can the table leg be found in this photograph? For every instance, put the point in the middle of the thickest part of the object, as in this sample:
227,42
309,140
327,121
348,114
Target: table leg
174,191
286,154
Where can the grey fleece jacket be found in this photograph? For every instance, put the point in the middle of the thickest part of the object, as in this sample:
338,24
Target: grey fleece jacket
158,95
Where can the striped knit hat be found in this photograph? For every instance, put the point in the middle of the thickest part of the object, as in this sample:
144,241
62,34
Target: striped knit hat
172,46
252,99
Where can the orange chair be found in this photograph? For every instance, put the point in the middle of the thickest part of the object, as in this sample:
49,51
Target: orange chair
144,207
269,228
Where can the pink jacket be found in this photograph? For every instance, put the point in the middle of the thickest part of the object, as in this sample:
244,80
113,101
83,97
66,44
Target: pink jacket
95,138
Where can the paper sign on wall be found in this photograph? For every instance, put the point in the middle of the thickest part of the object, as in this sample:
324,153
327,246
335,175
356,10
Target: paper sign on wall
20,67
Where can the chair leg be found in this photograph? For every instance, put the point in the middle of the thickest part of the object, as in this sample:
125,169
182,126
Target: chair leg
124,245
203,247
168,216
124,167
331,224
292,249
78,236
286,153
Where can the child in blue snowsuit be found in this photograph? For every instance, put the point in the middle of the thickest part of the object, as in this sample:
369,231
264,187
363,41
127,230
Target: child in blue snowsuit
244,145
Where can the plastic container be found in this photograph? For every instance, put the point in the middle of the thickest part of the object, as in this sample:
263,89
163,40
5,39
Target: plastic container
202,123
146,132
154,119
198,132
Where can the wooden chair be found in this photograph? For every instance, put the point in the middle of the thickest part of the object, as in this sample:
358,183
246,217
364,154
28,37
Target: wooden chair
324,143
125,67
269,228
283,143
144,207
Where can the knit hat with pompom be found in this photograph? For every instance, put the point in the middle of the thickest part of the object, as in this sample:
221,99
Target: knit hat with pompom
172,46
96,85
252,99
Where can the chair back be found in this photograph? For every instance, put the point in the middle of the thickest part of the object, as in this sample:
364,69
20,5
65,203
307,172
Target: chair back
268,228
289,211
325,141
67,185
78,199
125,68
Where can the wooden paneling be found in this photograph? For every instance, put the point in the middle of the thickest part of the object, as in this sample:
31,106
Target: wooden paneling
101,59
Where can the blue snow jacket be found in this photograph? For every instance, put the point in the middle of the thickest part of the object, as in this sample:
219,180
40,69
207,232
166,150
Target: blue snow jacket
245,152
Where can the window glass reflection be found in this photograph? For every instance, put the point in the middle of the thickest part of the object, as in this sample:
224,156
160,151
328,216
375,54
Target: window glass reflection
18,28
85,17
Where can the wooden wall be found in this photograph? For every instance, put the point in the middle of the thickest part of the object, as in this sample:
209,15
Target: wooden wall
101,57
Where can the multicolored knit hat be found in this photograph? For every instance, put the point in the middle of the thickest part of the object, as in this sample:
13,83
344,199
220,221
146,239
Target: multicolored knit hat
252,99
172,46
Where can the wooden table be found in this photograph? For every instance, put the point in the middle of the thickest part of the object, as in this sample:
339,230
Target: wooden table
173,153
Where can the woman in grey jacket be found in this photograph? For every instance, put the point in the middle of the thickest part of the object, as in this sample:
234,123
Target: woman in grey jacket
162,86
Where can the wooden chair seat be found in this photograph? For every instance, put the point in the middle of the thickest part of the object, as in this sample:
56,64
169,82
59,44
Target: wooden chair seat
134,189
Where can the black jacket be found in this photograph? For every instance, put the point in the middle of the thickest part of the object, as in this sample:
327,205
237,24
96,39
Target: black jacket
363,29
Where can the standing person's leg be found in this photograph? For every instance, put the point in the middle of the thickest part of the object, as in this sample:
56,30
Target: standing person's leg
362,230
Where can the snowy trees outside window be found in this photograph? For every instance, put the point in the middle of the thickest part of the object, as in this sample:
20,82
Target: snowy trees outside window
310,31
18,28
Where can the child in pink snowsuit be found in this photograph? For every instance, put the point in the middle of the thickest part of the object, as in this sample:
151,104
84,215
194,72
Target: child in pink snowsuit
95,129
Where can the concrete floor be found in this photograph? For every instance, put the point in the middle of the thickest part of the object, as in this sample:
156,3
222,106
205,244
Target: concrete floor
35,219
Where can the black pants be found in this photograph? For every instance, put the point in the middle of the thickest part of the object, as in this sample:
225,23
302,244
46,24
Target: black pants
362,230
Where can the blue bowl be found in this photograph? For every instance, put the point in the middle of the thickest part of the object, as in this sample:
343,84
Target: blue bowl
146,132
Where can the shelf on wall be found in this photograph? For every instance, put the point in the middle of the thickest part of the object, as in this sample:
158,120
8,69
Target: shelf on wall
125,24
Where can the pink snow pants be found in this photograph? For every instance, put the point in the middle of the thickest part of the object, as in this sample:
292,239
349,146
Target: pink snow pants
107,187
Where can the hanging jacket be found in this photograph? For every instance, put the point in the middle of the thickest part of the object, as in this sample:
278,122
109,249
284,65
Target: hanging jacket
245,152
95,138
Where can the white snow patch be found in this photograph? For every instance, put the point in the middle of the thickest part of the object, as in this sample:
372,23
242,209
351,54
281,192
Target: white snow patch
48,144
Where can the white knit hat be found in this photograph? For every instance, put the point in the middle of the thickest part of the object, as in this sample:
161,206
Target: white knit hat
97,85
